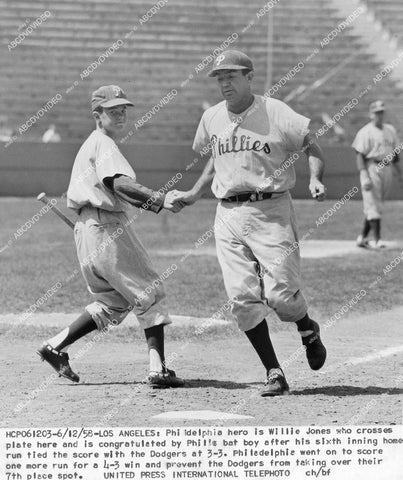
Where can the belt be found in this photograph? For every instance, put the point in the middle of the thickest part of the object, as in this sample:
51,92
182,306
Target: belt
248,197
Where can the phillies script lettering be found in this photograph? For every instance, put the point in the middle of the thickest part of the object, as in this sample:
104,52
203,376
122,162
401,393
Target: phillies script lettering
235,144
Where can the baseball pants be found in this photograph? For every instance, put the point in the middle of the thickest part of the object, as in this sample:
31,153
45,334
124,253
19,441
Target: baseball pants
258,251
117,270
373,199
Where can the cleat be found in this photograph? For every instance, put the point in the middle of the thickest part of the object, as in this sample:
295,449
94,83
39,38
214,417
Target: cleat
59,361
315,350
167,379
377,245
362,242
275,384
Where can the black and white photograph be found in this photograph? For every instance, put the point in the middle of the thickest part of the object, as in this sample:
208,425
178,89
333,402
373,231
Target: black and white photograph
202,239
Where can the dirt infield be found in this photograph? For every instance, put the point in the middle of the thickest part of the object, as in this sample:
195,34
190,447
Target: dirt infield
360,384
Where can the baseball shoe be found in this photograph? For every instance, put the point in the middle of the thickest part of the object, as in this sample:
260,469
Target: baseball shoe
315,350
362,242
59,361
377,245
167,379
275,384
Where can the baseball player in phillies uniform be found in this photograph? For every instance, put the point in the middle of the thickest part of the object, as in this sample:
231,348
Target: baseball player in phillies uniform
114,263
376,147
250,139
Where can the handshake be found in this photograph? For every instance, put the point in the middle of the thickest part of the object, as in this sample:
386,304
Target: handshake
176,200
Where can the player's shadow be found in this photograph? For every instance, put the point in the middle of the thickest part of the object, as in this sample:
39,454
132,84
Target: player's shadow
347,391
192,383
208,383
92,384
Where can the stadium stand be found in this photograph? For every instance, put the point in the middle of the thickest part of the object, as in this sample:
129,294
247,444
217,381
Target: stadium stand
390,14
163,52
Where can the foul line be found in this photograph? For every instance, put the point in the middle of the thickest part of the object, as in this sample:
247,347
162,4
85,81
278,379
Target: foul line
375,356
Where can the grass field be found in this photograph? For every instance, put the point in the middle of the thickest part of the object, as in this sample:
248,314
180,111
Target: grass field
220,367
45,255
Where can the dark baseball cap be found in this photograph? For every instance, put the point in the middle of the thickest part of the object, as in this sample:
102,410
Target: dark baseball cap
109,96
377,106
231,60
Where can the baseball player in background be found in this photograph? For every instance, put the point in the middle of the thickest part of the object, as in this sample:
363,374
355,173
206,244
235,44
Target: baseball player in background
376,147
250,139
116,267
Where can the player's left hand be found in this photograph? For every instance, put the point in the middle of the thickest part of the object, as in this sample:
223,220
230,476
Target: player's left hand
317,189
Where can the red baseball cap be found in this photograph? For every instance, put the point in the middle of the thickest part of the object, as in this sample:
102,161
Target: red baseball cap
109,96
231,60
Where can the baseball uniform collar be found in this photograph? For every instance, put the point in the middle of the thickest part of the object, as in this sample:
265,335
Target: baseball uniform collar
242,115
